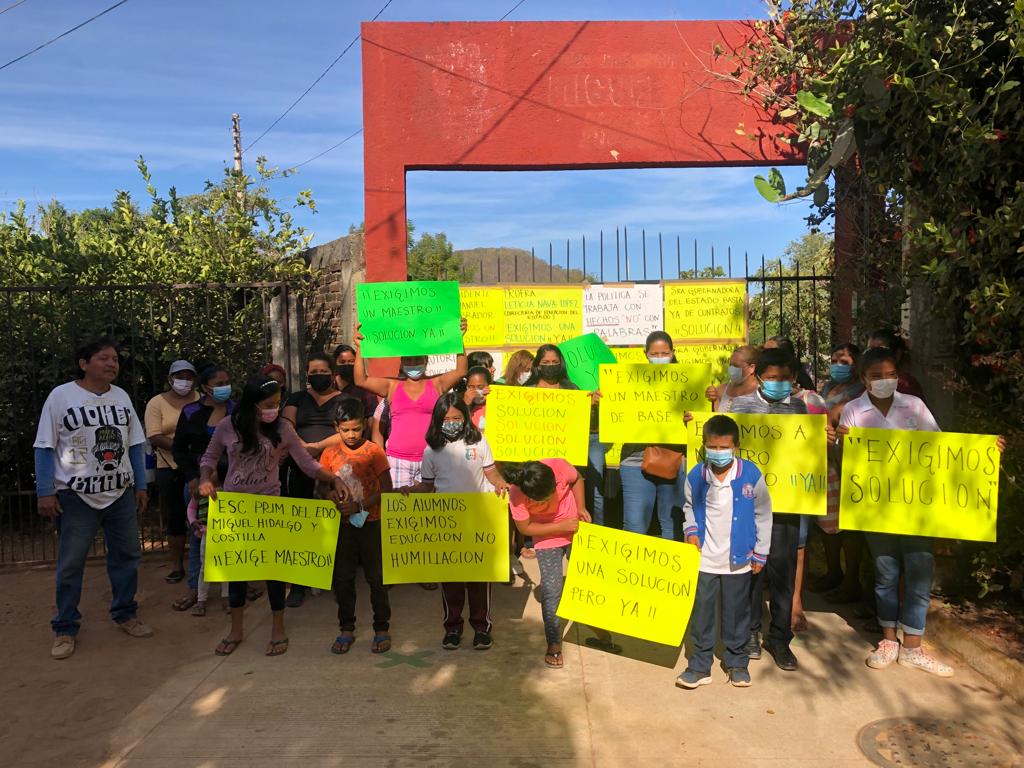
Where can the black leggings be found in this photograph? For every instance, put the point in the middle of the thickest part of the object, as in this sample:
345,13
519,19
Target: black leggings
275,594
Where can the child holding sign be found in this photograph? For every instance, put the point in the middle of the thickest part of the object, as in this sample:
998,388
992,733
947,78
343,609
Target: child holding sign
882,406
729,519
363,467
458,460
547,503
256,441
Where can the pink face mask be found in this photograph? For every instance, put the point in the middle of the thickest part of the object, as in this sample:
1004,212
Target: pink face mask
268,415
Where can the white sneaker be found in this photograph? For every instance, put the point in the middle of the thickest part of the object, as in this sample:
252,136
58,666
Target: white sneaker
63,646
918,658
135,628
885,654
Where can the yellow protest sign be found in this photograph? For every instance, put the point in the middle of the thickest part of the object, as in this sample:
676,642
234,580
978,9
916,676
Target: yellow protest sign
629,354
429,537
789,449
484,310
706,310
646,403
714,354
613,456
251,538
942,484
531,423
632,584
539,315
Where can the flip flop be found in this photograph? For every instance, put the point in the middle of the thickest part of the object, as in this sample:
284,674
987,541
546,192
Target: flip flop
554,659
603,645
381,644
186,602
199,609
174,577
342,643
277,647
229,647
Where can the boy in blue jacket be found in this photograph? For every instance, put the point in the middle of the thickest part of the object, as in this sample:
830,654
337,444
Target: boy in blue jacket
729,519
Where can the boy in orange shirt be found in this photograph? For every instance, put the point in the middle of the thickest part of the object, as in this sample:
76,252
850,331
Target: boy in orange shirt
363,466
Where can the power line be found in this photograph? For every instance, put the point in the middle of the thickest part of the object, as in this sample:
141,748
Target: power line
313,85
512,10
12,5
62,34
329,149
353,135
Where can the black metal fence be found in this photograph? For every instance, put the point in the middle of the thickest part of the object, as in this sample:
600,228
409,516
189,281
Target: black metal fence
785,298
232,324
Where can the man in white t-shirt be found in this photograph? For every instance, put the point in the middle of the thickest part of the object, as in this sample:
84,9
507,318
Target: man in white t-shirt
91,473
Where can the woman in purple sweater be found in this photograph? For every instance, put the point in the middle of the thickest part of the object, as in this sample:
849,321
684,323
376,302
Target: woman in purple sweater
256,440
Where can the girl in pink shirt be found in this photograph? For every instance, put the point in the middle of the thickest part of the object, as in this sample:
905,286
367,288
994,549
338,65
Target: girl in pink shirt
546,499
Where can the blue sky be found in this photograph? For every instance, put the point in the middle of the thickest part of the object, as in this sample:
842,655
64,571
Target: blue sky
161,79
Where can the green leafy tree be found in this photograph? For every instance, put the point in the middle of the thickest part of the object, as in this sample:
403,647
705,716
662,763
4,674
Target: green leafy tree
704,273
433,257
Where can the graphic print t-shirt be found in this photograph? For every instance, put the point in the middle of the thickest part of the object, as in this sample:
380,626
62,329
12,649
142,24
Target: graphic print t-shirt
90,436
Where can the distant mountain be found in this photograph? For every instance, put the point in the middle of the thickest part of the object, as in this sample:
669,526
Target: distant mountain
514,265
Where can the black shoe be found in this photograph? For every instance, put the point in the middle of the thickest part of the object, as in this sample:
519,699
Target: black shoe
753,647
174,577
482,641
430,586
784,658
296,597
451,641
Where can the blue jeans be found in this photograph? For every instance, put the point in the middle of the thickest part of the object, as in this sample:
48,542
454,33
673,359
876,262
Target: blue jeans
918,569
639,494
195,558
77,526
595,478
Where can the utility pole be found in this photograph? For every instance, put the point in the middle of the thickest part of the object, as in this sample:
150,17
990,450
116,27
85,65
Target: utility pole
236,135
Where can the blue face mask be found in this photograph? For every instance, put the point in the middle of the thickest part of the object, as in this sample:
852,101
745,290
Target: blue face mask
414,371
221,394
777,390
718,457
358,518
840,372
659,360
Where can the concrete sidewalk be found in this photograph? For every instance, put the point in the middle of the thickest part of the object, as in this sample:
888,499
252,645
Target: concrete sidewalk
424,706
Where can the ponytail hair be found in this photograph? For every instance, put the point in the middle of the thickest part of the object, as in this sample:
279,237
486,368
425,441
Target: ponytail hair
535,479
246,418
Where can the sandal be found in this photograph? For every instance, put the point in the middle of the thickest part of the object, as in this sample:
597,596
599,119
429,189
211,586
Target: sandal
603,644
553,658
174,577
342,643
186,602
277,647
528,552
227,647
381,644
199,609
799,624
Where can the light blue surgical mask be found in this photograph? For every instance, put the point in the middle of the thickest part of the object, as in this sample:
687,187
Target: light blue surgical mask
659,360
840,372
735,374
358,518
718,457
777,390
221,394
414,371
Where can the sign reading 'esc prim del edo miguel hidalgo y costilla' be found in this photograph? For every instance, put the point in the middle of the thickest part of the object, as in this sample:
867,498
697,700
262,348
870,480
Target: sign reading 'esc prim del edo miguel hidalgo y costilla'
414,318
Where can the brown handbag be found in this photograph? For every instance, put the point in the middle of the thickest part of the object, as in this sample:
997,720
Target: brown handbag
661,462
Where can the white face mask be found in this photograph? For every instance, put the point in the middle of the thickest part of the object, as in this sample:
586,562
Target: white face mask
883,389
181,386
523,377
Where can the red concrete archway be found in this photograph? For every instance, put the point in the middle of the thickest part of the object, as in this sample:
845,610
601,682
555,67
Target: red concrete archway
548,96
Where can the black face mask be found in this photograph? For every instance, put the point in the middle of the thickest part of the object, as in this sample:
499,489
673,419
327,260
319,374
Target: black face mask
347,371
319,382
550,373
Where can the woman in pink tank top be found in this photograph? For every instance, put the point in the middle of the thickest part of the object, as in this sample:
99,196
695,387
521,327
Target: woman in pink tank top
411,399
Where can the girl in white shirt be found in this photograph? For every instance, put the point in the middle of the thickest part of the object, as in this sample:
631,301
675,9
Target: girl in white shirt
458,459
882,407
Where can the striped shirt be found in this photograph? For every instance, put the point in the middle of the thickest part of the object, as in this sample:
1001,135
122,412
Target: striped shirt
756,403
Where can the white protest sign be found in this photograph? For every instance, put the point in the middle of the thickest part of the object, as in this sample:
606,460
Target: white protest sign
622,314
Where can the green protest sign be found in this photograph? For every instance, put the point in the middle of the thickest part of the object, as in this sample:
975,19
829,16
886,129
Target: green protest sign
583,357
414,318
